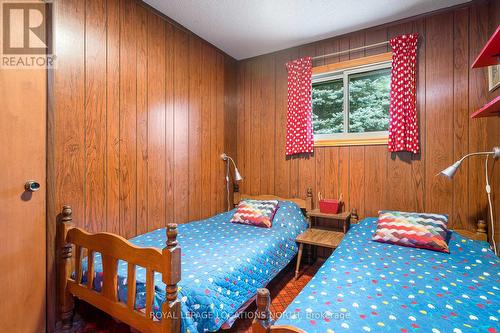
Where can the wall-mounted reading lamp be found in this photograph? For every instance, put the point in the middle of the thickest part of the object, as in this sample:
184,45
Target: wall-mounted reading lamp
237,176
450,171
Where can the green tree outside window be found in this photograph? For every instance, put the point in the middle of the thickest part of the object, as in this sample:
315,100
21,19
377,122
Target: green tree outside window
369,95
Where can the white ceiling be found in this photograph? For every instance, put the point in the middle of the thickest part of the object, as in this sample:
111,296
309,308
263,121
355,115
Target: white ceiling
247,28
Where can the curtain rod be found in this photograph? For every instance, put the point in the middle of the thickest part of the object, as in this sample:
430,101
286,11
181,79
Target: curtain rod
351,50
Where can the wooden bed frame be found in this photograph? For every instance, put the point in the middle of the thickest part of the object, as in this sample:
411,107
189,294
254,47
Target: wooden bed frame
74,244
305,204
113,248
263,323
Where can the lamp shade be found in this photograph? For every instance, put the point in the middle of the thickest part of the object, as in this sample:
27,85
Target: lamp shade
237,176
451,170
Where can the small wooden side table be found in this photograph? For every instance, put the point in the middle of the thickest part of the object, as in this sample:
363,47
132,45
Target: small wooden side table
345,217
320,237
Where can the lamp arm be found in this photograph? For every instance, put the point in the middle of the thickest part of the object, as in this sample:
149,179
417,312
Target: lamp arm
232,161
475,154
228,158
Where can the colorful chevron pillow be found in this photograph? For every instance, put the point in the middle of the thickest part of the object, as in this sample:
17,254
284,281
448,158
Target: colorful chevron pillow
421,230
256,212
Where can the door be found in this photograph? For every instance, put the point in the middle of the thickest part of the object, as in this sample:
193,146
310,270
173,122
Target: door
22,213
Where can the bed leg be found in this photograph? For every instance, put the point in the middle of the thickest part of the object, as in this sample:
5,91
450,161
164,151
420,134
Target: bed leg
299,258
262,322
66,302
309,200
171,308
354,216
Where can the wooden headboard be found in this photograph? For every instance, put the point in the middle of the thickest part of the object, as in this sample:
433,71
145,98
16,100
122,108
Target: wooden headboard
305,204
480,234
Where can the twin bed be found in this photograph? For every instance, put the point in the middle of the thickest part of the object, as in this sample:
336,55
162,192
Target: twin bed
364,286
222,266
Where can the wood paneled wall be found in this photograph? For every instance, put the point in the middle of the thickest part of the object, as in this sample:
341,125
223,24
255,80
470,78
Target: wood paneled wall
140,112
370,177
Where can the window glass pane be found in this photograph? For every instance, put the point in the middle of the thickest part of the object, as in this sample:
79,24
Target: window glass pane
369,95
327,101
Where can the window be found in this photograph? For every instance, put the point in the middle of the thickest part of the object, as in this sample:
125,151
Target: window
351,105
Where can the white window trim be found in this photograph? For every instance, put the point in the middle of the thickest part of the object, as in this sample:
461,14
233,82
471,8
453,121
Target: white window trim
350,139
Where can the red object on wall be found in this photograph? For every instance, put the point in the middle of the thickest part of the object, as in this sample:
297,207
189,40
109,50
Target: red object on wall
329,206
403,123
490,54
299,129
493,107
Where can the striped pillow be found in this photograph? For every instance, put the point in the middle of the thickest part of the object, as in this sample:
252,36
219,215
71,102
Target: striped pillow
421,230
256,212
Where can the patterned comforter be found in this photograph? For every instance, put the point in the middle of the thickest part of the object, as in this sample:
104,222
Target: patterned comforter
223,265
367,286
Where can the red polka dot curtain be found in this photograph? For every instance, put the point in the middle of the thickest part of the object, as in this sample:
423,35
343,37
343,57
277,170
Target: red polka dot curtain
299,128
403,124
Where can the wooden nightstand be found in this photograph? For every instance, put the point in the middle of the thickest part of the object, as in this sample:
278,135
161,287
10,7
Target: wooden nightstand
345,217
319,237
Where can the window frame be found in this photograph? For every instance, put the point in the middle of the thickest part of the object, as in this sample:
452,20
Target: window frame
346,138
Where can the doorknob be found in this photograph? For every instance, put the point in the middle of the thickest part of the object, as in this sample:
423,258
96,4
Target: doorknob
32,186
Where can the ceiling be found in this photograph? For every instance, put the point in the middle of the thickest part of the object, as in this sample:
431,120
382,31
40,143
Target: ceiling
247,28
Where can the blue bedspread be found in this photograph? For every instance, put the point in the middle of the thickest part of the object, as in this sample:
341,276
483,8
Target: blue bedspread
367,286
223,265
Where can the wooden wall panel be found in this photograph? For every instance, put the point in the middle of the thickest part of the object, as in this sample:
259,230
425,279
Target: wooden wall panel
478,96
220,143
139,115
460,112
255,113
343,177
267,132
181,125
194,128
375,159
156,124
142,156
128,118
439,127
214,159
332,174
369,177
282,167
112,119
229,91
357,179
206,131
95,115
169,123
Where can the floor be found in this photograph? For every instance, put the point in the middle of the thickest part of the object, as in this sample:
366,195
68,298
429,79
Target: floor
283,290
